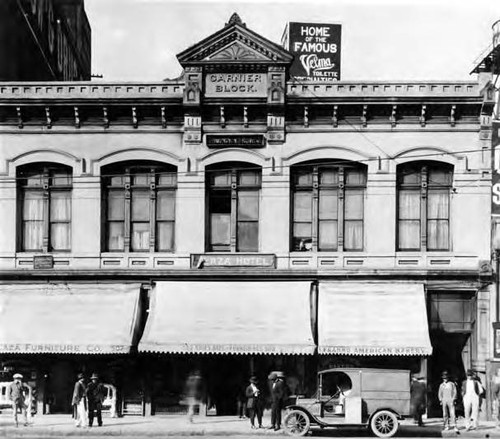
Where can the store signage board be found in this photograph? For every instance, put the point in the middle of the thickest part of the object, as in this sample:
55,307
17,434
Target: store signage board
316,50
231,85
43,262
230,260
236,141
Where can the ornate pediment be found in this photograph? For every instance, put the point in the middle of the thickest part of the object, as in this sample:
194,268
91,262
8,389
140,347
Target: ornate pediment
235,44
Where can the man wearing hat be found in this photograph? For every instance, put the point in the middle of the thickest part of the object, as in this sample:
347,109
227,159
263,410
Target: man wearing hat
17,392
418,393
96,392
471,392
277,397
254,401
79,401
447,395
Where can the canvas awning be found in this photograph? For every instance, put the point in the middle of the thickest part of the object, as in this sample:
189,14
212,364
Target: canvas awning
372,319
229,317
68,318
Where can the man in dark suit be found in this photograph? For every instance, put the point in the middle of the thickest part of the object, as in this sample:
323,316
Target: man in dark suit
96,392
254,402
277,398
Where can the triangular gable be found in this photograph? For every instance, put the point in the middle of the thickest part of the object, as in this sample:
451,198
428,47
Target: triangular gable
235,43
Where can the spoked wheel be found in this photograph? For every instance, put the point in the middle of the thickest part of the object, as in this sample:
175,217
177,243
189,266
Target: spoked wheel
384,424
297,423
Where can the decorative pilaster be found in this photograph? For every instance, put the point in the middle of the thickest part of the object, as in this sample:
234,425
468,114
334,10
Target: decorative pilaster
276,104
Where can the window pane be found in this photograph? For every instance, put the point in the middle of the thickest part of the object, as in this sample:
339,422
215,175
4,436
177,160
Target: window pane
167,179
354,204
115,236
165,205
328,204
248,205
353,235
302,230
303,178
409,176
302,206
409,204
355,177
61,179
116,180
34,179
220,202
248,236
439,177
409,235
220,178
116,205
438,204
249,178
328,235
437,235
60,236
140,236
140,179
33,206
165,236
220,228
140,206
32,235
60,206
329,176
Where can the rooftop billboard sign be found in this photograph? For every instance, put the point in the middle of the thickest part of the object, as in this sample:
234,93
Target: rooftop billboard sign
316,50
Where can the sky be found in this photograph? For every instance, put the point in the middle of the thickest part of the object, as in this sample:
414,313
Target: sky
137,40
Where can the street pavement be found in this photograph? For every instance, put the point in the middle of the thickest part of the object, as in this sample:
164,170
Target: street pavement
58,426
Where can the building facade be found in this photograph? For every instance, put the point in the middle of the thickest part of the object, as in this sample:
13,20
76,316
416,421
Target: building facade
238,221
45,40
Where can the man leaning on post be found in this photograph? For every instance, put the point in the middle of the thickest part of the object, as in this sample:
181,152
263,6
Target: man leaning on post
17,393
447,395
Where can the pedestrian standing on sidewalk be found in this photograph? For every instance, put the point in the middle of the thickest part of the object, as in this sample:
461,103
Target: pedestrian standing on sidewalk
496,397
418,395
447,395
254,402
17,393
277,396
471,392
96,392
79,401
193,393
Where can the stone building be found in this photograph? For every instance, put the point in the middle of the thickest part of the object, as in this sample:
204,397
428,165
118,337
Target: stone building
239,221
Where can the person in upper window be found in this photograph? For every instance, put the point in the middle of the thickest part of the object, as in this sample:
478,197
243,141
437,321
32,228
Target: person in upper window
17,392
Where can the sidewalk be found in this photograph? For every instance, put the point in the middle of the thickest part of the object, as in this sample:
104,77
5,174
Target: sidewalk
162,426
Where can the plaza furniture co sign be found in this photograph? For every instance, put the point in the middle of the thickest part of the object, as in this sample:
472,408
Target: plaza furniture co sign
236,84
316,48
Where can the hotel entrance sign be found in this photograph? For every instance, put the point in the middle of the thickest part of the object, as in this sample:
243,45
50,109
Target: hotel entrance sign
221,85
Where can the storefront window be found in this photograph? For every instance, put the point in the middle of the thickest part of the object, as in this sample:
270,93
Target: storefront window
233,203
45,207
328,207
139,207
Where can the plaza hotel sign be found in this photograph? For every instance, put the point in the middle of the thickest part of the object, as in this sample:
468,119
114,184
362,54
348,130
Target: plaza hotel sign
222,85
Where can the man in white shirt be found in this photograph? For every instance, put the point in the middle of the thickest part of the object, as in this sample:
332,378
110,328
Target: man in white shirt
471,392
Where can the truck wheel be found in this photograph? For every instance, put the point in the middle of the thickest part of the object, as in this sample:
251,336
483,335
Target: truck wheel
297,423
384,424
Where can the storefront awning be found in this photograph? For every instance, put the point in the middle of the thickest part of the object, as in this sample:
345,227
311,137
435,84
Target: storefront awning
372,319
68,318
229,317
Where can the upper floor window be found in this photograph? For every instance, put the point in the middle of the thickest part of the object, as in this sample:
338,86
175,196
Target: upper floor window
328,207
233,205
44,207
424,206
139,207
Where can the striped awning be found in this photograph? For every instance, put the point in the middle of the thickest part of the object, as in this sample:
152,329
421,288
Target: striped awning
68,318
229,317
357,318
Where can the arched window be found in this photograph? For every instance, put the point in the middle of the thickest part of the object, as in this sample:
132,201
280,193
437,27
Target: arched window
233,192
424,205
44,207
139,207
328,206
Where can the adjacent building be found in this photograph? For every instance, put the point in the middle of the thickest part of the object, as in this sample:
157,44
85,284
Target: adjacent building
44,40
238,220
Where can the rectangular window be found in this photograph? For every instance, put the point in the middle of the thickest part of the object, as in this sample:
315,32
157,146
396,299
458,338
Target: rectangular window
45,194
140,208
328,208
234,210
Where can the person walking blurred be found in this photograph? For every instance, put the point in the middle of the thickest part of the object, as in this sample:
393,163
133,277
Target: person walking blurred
418,396
193,393
254,402
17,392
